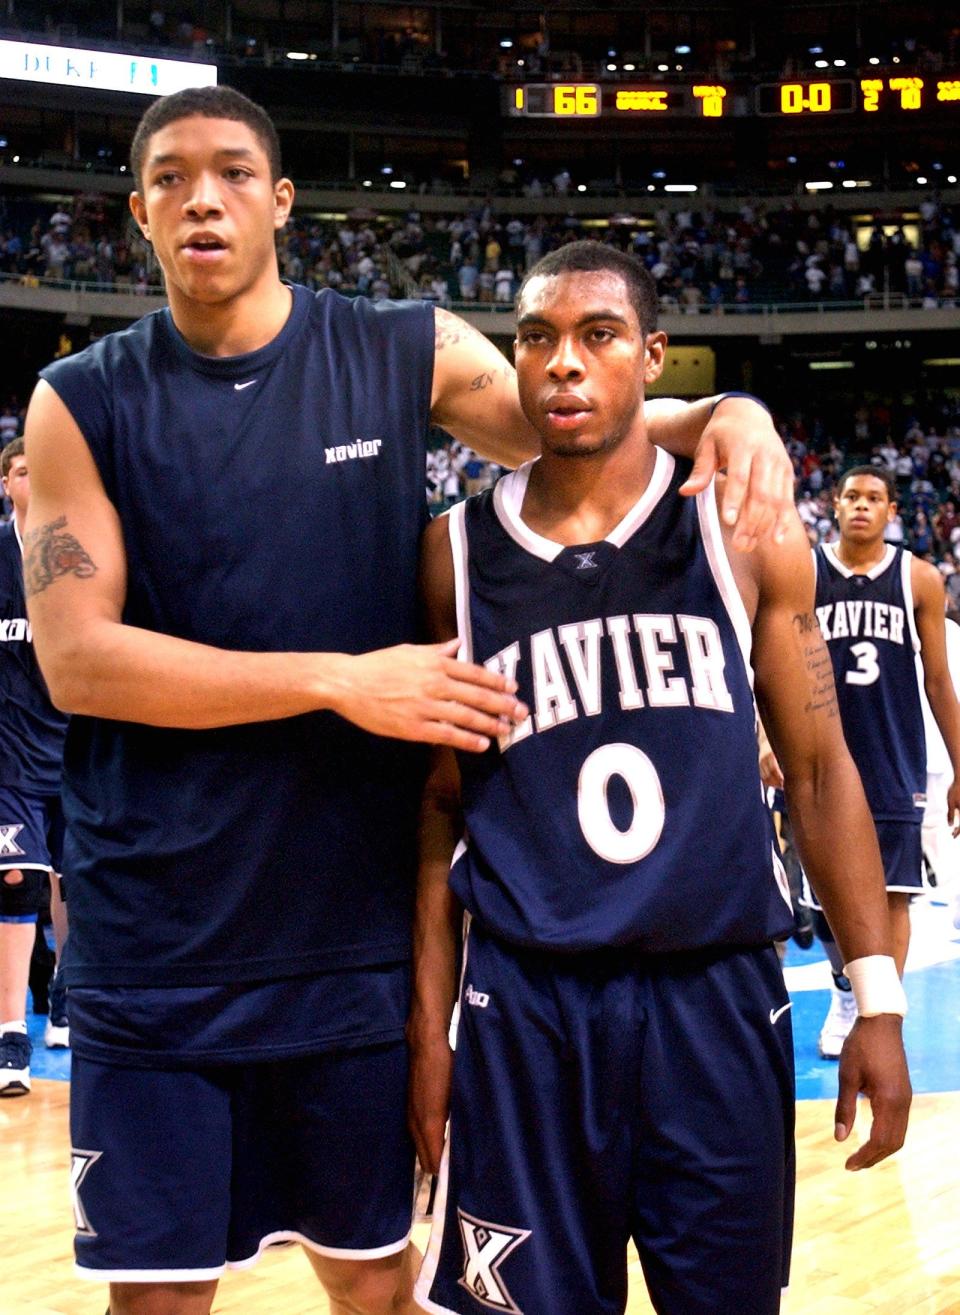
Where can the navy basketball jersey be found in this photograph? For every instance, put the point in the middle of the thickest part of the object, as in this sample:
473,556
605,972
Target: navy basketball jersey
868,623
269,502
627,810
31,728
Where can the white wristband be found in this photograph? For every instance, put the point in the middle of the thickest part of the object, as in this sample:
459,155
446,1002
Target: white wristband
876,985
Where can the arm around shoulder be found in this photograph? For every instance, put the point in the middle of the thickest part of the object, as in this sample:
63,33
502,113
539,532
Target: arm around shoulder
475,393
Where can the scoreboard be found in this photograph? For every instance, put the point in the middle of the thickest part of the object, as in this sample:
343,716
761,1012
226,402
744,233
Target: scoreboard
899,95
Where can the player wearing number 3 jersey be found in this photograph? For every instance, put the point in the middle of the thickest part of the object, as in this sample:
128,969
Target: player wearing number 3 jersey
880,611
623,1062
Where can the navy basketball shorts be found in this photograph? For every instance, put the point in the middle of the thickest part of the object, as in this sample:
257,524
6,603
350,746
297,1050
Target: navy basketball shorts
31,831
177,1174
901,851
31,837
599,1098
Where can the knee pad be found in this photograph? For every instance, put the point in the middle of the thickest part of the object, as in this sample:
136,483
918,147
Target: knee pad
20,901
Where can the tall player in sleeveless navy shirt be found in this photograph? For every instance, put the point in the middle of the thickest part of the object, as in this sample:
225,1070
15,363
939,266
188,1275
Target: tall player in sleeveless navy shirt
623,1060
221,559
881,611
31,761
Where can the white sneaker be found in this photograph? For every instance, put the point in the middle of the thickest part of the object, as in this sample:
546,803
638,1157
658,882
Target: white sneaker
837,1025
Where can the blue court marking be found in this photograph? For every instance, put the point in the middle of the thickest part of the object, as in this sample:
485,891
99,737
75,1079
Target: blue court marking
933,992
45,1063
932,982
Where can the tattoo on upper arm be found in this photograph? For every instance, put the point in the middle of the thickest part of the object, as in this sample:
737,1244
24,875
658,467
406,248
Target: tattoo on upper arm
50,552
819,668
447,330
481,381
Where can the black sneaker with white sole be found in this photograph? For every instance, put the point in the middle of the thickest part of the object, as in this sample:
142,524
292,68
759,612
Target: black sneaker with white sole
15,1051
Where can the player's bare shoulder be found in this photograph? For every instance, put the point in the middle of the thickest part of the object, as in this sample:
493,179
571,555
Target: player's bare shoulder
927,584
771,570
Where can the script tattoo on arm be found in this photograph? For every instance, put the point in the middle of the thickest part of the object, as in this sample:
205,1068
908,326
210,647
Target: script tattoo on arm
51,552
816,660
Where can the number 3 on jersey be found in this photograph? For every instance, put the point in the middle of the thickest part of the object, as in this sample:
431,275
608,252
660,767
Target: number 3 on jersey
867,669
593,806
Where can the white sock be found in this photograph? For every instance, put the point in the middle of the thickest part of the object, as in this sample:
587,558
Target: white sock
15,1025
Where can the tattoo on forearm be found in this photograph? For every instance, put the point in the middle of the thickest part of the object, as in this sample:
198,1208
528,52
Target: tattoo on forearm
50,552
823,693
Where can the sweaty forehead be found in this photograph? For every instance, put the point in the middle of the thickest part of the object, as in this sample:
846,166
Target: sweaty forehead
576,294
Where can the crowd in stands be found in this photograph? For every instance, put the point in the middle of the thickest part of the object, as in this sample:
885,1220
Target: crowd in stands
702,260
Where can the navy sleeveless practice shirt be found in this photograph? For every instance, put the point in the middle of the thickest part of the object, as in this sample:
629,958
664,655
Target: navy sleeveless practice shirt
268,502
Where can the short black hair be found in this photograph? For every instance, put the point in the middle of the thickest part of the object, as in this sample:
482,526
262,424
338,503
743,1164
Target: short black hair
10,453
209,103
876,472
588,256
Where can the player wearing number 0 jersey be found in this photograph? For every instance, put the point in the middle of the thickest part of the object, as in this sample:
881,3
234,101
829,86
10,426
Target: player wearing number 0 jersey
630,694
623,1060
880,610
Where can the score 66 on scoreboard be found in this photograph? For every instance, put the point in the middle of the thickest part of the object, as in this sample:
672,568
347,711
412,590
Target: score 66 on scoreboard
898,94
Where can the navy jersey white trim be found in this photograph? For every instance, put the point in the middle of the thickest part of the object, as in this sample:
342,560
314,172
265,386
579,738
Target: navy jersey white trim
868,623
586,829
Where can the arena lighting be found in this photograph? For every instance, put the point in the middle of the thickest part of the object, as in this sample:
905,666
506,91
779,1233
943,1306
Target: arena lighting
680,187
815,50
823,186
821,63
659,173
839,63
581,187
921,181
367,182
297,54
398,183
829,365
611,68
663,68
873,60
943,360
101,70
951,178
681,50
629,68
506,44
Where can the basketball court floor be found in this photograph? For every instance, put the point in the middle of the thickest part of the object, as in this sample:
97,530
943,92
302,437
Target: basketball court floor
880,1242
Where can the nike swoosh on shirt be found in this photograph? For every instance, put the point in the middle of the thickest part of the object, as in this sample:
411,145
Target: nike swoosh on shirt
775,1013
249,384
